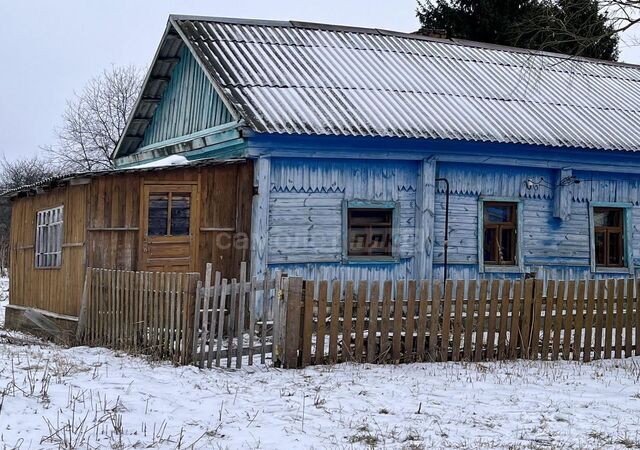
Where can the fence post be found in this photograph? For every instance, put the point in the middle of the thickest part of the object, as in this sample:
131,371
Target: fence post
291,327
82,317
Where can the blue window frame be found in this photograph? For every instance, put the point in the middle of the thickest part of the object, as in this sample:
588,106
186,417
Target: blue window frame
503,225
370,231
604,235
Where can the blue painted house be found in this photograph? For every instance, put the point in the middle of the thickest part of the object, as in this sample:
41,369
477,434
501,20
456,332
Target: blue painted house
358,136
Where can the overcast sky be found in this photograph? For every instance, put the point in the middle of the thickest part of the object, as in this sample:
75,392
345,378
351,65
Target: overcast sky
51,48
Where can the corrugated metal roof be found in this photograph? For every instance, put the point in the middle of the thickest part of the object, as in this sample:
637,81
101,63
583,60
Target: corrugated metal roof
301,78
64,179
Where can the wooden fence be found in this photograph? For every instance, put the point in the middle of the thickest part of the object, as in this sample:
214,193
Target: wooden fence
141,312
480,321
235,319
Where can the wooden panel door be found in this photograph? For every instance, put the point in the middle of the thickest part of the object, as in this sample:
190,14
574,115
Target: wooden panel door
169,227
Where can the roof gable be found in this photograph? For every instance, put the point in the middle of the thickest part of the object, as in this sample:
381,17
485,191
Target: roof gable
177,99
300,78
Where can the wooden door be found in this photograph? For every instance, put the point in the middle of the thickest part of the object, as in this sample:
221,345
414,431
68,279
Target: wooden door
169,221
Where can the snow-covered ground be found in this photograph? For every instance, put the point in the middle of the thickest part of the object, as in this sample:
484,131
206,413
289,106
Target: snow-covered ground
51,397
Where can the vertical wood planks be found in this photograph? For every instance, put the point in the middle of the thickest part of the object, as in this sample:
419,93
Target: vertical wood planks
588,321
385,317
608,335
491,323
619,319
527,317
557,321
446,320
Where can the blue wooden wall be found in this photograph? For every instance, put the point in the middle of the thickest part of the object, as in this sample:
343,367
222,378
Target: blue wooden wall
305,214
305,217
189,104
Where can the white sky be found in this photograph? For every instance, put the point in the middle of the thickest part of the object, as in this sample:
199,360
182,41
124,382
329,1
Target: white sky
51,48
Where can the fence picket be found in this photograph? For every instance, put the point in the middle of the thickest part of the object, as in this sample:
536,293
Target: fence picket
514,331
385,318
608,336
628,333
491,324
446,320
569,322
504,319
410,323
224,291
536,319
322,318
434,325
588,324
348,322
619,319
557,320
360,317
482,306
335,322
242,305
579,320
468,326
422,320
398,305
307,323
373,324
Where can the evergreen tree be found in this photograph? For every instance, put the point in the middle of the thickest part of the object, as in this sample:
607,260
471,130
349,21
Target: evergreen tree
576,27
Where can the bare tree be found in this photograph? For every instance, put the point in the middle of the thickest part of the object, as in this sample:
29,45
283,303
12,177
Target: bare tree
94,120
14,174
572,26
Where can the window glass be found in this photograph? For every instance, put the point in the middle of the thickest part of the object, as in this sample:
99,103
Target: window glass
500,225
180,214
370,232
49,237
158,214
608,236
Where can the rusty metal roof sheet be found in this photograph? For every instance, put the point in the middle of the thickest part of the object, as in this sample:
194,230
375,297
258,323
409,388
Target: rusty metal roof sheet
302,78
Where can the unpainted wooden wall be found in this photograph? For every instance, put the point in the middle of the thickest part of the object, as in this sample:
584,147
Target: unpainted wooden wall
53,289
103,229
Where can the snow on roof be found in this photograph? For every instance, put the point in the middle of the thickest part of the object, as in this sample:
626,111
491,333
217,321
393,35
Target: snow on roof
301,78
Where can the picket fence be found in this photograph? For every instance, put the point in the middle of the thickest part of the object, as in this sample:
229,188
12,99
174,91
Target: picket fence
474,321
140,312
237,318
296,322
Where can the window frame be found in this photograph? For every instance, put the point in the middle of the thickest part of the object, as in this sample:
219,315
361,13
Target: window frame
518,266
627,225
44,246
395,235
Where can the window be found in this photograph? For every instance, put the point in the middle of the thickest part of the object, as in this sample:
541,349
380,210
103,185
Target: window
370,232
49,237
169,214
608,236
500,225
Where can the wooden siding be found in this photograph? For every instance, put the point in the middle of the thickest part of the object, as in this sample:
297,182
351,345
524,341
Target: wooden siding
305,214
103,229
189,104
53,289
553,248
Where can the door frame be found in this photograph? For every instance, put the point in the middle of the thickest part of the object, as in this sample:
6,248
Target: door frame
192,186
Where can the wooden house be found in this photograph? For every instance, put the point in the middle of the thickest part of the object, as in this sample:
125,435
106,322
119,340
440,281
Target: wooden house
347,153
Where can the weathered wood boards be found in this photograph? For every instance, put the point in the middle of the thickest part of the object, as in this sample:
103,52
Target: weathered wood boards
480,321
142,312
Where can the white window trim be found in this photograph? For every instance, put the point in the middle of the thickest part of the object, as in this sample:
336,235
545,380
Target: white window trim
627,233
516,268
49,238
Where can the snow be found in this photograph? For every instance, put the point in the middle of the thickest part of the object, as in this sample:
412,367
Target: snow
52,394
53,397
173,160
